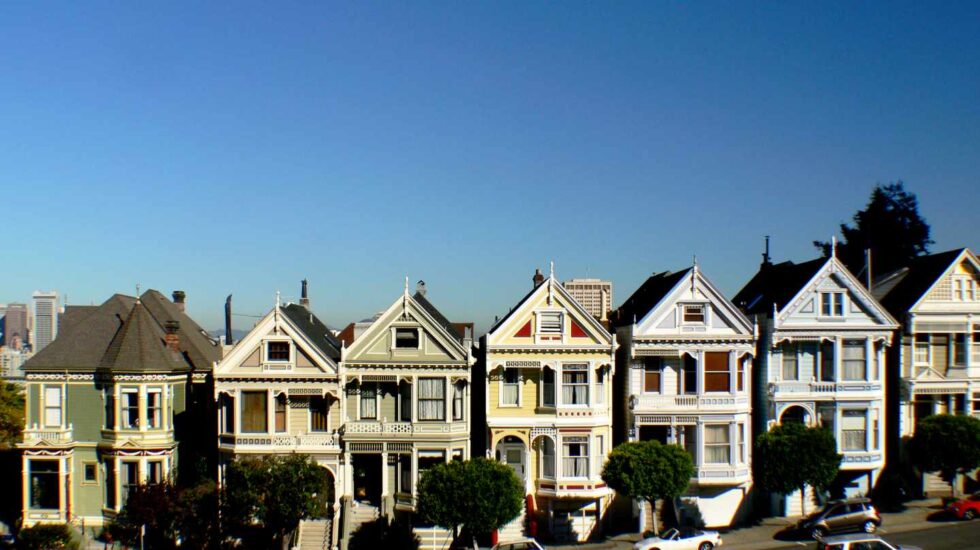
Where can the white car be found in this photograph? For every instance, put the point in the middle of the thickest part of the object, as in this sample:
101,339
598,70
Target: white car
684,538
859,541
522,544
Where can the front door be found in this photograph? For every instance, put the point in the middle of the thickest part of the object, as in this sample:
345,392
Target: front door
512,454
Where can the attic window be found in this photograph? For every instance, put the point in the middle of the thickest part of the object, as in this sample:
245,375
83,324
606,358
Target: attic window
407,338
277,351
550,322
832,304
694,314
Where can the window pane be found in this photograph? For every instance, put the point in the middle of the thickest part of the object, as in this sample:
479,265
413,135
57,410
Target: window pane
153,408
254,411
280,413
652,374
369,399
44,494
131,408
407,338
717,448
716,374
432,399
791,368
318,414
575,384
854,360
548,387
510,387
277,351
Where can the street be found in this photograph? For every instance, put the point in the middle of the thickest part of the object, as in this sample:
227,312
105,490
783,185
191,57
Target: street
947,536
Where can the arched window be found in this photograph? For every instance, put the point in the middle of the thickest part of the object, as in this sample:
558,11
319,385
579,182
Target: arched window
547,458
281,412
458,389
548,387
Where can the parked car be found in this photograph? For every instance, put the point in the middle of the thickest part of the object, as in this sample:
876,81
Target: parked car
967,508
856,514
859,542
522,544
684,538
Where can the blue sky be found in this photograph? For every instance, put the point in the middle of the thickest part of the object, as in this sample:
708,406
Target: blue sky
238,148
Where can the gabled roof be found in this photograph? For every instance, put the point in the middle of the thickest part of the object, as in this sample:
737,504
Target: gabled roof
437,316
901,289
551,284
314,329
776,284
119,336
645,298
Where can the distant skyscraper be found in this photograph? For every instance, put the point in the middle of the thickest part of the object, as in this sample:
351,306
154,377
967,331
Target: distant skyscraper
15,325
44,313
594,295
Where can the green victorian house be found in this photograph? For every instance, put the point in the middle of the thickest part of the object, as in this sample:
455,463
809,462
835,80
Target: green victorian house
109,404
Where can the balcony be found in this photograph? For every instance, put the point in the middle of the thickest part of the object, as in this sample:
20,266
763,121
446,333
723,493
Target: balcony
861,460
691,403
370,429
794,389
270,443
574,487
34,436
144,438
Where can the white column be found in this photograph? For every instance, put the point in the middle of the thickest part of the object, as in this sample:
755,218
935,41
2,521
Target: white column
732,372
838,357
868,429
384,474
63,488
869,356
415,396
25,497
448,397
699,368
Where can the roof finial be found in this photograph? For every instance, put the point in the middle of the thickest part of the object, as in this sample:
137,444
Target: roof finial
552,269
406,285
695,260
833,246
278,299
137,293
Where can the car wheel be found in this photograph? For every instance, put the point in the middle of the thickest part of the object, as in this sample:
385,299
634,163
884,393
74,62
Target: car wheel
705,546
818,532
969,514
869,527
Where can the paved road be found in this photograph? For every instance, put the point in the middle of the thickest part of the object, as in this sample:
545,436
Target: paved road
947,536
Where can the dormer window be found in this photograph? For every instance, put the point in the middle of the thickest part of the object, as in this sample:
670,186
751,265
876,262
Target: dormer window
964,289
693,314
407,338
832,304
277,351
550,322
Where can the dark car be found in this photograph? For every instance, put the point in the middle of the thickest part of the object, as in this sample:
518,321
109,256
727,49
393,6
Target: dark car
856,514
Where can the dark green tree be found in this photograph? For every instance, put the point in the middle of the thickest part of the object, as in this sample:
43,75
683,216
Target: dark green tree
11,414
169,512
381,534
477,496
650,471
791,456
46,537
275,493
890,226
948,444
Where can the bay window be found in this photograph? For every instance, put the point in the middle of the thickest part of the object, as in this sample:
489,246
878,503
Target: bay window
575,384
318,414
44,485
547,458
791,366
600,385
129,480
255,409
432,399
854,360
131,408
52,407
959,349
280,413
510,387
717,444
369,401
458,389
923,355
154,409
854,428
548,387
575,461
717,377
653,372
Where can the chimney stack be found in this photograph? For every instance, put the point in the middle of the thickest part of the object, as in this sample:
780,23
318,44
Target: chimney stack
170,337
179,297
420,287
766,260
228,339
538,278
304,296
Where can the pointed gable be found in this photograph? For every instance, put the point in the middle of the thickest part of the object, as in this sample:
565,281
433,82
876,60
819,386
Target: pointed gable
411,330
929,277
548,315
775,284
834,295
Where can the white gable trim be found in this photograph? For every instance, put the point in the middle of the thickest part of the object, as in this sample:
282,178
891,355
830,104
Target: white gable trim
274,321
669,302
570,304
831,267
966,253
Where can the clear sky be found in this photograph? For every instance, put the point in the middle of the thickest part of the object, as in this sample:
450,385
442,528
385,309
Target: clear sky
239,147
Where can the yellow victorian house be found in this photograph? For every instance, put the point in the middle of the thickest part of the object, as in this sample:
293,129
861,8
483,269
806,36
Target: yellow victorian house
548,368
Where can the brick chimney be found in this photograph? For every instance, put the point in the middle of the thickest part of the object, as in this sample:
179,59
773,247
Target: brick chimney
420,288
538,278
170,337
179,297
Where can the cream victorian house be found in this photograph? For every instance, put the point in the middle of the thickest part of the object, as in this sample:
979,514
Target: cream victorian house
546,371
684,378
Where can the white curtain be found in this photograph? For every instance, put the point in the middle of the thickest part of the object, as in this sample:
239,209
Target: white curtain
432,395
575,385
369,399
854,360
52,406
575,462
717,445
854,427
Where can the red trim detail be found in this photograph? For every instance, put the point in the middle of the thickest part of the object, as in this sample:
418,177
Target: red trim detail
525,331
577,331
532,518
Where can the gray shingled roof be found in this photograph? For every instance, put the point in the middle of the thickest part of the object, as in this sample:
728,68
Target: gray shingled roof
776,284
438,316
899,290
314,329
121,337
650,293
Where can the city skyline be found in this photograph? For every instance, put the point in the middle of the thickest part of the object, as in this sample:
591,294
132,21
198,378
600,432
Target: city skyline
222,150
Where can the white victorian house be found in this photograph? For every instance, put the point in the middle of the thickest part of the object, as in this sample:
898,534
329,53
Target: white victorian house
821,361
684,378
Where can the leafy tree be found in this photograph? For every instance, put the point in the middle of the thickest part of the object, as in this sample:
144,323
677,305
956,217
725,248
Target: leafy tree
791,456
11,414
381,534
478,495
169,512
650,471
889,225
46,537
948,444
275,492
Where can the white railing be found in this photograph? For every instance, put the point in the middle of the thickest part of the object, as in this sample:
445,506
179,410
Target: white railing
403,428
281,441
722,473
824,387
861,457
51,435
693,401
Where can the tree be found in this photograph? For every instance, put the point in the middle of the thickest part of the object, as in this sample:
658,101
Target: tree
477,496
11,413
46,537
948,444
792,456
889,225
274,492
169,512
650,471
381,534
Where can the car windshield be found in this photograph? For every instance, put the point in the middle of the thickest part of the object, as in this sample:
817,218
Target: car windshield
669,534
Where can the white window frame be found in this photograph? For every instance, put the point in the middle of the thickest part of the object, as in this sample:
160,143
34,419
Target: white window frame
360,398
643,379
278,362
45,408
161,408
576,367
394,338
85,464
503,383
124,409
702,306
927,337
540,317
843,445
837,303
554,387
727,429
586,458
964,288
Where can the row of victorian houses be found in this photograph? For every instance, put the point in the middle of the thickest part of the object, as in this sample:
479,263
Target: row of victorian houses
134,391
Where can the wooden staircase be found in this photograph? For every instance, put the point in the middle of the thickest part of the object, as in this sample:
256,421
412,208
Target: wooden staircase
314,534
